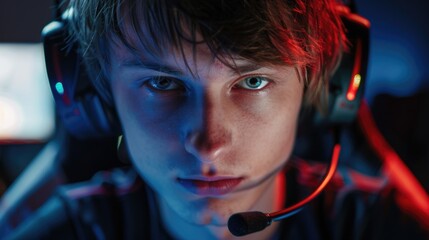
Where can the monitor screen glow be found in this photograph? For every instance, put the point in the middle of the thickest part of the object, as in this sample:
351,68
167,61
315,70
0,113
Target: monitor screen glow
26,103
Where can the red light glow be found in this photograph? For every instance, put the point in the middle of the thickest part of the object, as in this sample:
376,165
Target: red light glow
417,204
354,87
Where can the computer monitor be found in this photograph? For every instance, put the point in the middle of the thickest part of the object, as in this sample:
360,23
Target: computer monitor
26,104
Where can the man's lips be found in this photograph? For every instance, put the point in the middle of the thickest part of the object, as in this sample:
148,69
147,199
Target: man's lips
214,186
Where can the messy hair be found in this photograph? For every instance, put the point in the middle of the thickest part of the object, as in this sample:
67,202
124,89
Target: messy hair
307,34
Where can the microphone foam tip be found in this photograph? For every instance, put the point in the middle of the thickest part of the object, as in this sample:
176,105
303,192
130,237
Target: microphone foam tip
241,224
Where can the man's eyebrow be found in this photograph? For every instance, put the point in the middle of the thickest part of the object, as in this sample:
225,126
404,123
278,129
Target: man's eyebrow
151,66
240,68
245,68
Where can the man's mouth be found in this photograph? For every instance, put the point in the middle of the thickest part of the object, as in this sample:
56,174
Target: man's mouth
211,186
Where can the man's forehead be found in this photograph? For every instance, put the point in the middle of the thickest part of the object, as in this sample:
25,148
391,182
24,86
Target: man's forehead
174,60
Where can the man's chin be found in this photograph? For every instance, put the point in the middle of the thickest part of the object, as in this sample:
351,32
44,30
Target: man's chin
209,219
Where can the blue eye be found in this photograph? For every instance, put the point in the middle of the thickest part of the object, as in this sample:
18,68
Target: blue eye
164,84
253,83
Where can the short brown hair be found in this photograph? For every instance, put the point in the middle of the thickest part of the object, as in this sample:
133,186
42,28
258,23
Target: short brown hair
304,33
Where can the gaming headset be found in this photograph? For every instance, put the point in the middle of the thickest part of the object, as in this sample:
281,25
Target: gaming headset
85,115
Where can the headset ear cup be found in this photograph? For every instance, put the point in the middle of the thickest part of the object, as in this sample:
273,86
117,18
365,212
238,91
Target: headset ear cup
103,121
346,87
82,111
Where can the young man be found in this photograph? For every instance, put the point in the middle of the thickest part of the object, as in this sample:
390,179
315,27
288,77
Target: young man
208,95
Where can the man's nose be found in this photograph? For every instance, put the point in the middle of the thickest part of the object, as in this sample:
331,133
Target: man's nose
208,140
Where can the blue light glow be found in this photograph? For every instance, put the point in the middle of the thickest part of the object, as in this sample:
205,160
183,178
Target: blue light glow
59,87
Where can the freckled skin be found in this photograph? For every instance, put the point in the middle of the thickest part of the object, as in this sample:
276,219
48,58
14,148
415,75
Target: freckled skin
209,127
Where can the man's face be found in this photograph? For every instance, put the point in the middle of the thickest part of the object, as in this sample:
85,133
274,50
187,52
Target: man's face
209,140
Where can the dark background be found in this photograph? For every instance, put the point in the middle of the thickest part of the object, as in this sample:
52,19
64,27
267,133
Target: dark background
22,21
